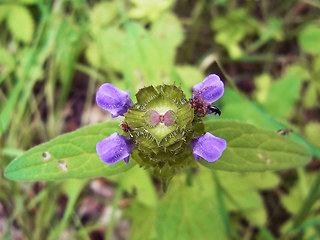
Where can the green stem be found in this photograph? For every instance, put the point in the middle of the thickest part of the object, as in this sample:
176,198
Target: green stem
90,93
221,203
303,185
306,206
189,177
312,3
165,184
229,79
114,206
90,72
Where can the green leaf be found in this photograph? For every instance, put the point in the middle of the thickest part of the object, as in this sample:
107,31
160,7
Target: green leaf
142,185
273,30
138,215
145,67
316,64
7,63
68,47
310,98
237,106
294,200
192,210
309,39
72,155
103,13
92,54
283,94
26,1
105,51
242,192
72,189
262,83
250,180
252,149
190,76
4,11
232,28
168,34
21,23
303,203
6,58
312,131
150,10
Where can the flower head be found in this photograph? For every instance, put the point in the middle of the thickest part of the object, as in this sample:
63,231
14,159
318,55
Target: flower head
164,131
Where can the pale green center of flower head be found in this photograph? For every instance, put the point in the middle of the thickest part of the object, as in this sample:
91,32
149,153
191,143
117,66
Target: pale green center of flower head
155,118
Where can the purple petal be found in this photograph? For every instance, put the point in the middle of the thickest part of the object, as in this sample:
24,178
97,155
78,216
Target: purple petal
114,148
114,100
196,157
208,146
126,160
210,89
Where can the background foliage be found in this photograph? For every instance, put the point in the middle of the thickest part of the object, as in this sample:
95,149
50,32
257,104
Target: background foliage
55,53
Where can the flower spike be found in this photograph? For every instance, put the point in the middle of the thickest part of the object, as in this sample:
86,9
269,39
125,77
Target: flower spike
114,100
208,146
163,126
210,89
114,148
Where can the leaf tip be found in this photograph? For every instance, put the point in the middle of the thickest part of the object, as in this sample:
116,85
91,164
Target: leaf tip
9,172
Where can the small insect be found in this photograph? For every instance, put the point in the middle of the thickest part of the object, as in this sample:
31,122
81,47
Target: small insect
214,109
284,131
125,127
202,108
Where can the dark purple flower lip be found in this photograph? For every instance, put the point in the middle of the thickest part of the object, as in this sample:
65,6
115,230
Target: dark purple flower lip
210,89
205,93
114,148
208,147
114,100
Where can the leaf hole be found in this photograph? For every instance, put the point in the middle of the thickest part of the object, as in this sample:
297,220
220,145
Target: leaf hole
261,156
46,156
62,164
264,158
268,161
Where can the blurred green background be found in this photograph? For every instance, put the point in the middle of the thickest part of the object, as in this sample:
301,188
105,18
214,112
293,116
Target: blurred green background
53,56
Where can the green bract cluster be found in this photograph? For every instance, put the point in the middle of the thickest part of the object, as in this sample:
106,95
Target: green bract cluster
163,147
164,131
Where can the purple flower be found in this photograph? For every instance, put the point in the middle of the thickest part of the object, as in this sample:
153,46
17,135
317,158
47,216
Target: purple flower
114,148
208,146
114,100
210,89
